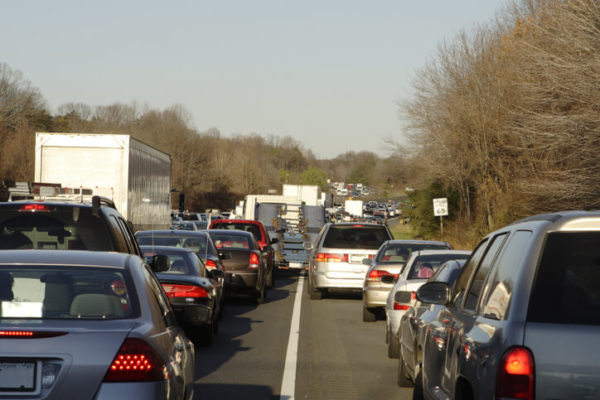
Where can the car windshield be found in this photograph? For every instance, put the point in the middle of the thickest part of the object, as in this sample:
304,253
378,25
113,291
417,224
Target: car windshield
199,244
229,241
400,253
423,267
58,228
49,292
355,237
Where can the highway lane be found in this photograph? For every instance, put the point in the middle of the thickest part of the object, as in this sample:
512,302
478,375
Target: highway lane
339,356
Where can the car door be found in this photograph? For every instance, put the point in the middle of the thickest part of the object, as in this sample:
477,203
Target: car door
464,337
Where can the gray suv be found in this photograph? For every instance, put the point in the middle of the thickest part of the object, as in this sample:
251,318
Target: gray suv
337,260
522,319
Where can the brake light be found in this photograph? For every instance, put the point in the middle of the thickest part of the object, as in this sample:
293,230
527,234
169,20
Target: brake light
405,306
331,257
516,375
29,334
254,261
173,290
34,207
210,264
375,275
136,361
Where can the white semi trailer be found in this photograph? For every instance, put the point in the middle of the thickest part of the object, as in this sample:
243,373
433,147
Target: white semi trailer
136,176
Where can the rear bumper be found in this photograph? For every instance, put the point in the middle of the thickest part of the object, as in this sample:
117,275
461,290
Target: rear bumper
375,296
193,314
241,281
135,390
324,280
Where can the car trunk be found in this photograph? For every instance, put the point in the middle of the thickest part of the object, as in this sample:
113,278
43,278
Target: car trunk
85,352
239,260
353,268
566,360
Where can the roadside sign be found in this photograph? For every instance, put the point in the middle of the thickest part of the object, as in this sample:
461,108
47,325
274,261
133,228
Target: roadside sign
440,207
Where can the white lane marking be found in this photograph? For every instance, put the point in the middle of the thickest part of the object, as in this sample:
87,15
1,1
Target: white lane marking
288,383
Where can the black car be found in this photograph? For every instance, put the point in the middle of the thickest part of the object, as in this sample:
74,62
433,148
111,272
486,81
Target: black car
196,294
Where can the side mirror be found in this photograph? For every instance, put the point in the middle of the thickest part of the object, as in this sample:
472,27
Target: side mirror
160,263
434,293
216,274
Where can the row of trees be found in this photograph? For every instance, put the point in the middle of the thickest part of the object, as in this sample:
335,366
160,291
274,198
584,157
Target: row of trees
213,170
505,120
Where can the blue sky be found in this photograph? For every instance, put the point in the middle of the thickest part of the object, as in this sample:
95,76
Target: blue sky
329,73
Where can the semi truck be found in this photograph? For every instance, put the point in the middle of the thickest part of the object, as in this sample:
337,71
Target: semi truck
134,175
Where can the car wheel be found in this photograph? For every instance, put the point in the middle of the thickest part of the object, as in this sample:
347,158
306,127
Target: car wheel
260,295
315,294
369,315
392,346
403,380
418,390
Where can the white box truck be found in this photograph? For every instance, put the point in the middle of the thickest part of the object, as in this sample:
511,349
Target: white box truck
354,207
137,177
309,194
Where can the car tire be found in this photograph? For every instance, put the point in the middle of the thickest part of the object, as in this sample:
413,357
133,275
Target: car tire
260,295
418,393
392,346
369,315
315,294
403,380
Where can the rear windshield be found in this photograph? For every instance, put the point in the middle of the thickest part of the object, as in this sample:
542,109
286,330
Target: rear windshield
65,293
566,289
252,228
401,252
229,241
199,244
423,267
61,228
180,264
355,237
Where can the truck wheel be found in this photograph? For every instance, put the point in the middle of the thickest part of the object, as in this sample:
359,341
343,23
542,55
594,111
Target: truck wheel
368,315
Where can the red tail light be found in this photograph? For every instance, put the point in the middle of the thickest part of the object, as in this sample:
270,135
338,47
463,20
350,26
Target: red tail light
136,361
210,264
331,257
406,306
254,261
34,207
29,334
375,275
516,375
173,290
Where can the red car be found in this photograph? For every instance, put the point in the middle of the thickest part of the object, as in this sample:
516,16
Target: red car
262,238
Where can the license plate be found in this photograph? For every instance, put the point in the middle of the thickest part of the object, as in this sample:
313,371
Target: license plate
17,376
296,265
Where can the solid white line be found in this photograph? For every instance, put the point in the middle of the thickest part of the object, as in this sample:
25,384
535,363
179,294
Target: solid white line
288,383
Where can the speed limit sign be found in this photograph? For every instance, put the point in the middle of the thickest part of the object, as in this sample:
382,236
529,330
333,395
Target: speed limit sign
440,207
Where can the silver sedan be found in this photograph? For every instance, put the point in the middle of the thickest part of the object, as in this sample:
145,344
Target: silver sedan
92,325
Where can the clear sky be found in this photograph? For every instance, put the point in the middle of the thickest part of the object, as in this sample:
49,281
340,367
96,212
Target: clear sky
326,72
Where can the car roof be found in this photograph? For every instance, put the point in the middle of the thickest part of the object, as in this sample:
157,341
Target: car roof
167,249
229,231
237,221
172,232
441,251
357,224
65,257
411,241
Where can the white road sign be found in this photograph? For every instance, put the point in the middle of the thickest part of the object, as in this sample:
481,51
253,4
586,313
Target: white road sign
440,207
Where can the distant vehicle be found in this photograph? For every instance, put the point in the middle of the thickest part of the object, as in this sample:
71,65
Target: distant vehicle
265,243
522,319
88,325
419,267
384,270
186,225
113,166
196,294
245,265
336,259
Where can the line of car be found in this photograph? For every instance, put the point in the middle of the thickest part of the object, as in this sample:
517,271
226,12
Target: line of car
119,317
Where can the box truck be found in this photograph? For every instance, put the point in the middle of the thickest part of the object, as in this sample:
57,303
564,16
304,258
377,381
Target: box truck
134,175
309,194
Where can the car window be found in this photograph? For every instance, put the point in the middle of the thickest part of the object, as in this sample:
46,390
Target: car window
197,243
60,228
355,237
229,241
476,286
463,278
252,228
397,253
61,292
499,292
423,267
566,288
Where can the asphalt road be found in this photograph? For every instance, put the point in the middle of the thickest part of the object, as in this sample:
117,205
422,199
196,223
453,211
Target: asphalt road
338,357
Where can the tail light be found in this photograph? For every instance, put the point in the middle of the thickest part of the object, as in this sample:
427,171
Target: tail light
210,264
173,290
136,361
29,334
254,261
35,207
375,275
331,257
516,375
405,305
